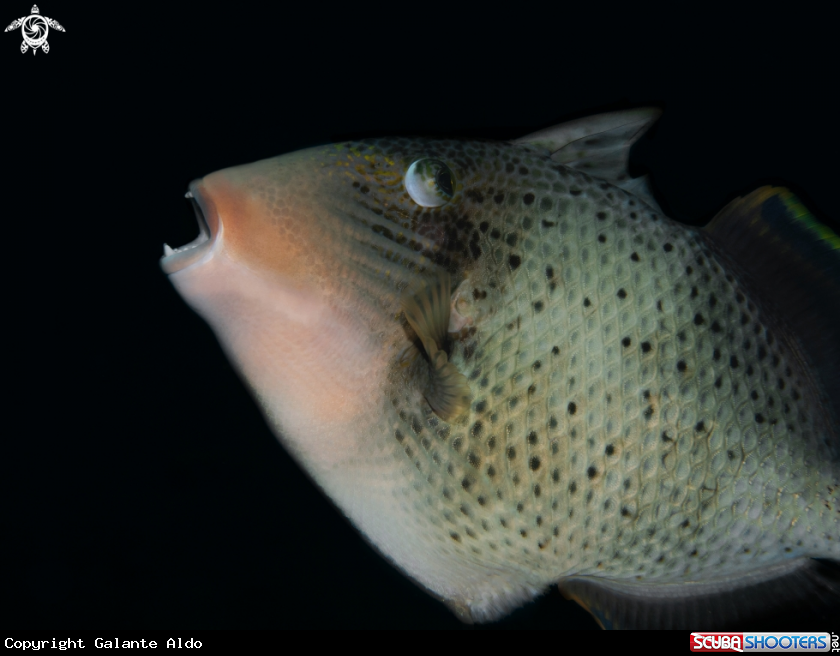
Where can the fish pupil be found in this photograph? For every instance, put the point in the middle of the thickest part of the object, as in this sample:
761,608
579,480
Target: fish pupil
443,177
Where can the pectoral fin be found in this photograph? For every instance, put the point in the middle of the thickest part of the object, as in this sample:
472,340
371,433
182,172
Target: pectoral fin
448,392
427,307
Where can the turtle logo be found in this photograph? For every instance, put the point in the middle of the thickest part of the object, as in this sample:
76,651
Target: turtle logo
35,29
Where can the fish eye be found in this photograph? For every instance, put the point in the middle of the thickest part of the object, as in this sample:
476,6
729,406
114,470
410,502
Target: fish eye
429,182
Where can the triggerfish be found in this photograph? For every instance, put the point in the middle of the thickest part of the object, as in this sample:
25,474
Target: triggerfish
510,370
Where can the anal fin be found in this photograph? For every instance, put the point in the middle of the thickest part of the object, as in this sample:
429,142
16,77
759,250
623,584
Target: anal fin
752,602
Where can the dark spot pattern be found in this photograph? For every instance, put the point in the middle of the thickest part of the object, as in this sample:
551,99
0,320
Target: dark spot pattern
536,231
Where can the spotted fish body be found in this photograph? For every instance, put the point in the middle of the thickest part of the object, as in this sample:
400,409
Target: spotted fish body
638,419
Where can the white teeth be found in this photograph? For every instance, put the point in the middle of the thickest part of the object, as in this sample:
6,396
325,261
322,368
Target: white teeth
167,250
189,194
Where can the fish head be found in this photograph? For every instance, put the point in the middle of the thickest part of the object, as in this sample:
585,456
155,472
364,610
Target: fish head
350,285
299,269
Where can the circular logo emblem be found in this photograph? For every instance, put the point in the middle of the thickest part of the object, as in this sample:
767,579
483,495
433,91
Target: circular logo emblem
35,30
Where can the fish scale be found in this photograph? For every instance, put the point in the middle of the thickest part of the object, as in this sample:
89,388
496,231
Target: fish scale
643,490
638,413
644,505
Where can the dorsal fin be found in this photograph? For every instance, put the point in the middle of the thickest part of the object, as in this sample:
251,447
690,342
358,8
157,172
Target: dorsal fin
598,145
427,308
794,260
717,606
640,187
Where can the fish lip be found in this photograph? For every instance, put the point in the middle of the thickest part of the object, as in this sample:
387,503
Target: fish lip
209,227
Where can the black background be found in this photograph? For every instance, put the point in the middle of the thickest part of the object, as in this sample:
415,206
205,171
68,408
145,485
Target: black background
142,487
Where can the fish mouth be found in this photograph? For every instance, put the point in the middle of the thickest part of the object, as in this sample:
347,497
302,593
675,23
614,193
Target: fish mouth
209,225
